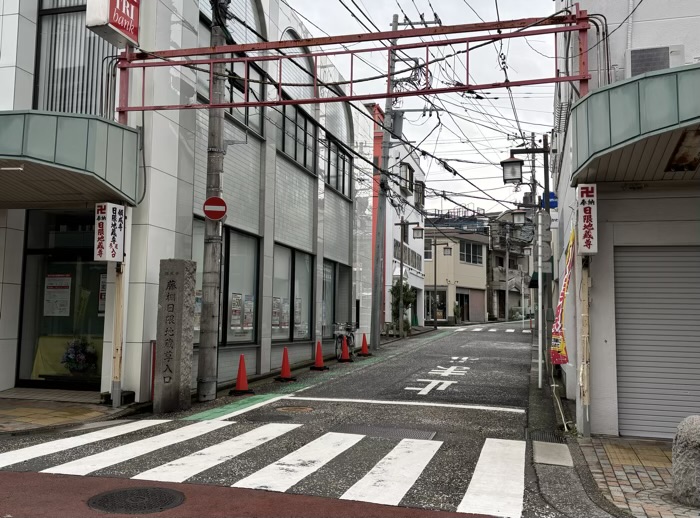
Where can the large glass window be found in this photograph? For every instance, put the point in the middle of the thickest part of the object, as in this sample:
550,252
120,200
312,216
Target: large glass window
470,252
297,136
328,317
441,302
281,292
339,170
242,284
303,283
71,62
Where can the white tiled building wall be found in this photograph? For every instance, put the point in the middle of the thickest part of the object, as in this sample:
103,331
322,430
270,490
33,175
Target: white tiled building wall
294,206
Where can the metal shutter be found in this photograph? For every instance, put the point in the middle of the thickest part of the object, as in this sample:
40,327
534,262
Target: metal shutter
657,315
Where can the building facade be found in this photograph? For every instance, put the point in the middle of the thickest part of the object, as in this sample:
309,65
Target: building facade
634,140
297,189
456,257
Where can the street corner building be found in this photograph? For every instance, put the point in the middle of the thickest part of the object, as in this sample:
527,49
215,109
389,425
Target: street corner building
73,182
626,166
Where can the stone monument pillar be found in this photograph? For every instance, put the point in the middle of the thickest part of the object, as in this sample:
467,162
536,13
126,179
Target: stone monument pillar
686,462
175,335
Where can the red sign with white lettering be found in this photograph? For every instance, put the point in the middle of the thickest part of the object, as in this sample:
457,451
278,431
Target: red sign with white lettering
124,17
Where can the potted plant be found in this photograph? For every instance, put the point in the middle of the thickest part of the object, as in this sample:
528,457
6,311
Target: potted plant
80,357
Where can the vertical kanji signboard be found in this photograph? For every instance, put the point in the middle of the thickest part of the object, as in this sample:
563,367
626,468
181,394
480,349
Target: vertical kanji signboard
110,222
587,227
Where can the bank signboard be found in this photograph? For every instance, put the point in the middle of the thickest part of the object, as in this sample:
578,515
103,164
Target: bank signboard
116,21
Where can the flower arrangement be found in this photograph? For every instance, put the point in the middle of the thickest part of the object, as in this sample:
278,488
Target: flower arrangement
80,356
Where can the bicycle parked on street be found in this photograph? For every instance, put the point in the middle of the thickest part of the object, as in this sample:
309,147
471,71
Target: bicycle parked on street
347,330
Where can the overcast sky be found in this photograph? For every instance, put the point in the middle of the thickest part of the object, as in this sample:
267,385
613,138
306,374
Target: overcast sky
533,103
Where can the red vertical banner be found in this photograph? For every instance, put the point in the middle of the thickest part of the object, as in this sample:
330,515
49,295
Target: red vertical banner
558,352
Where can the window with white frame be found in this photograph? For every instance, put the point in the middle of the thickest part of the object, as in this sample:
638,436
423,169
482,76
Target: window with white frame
471,252
419,194
406,181
428,249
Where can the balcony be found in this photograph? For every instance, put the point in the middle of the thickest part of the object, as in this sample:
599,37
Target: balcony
644,129
65,160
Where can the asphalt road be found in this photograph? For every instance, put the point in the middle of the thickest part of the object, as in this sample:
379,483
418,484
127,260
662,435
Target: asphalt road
435,423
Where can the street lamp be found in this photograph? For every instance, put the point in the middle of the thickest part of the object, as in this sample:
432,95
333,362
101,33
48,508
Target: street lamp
418,233
447,251
512,170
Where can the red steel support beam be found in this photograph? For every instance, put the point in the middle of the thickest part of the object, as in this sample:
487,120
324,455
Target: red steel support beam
358,38
583,52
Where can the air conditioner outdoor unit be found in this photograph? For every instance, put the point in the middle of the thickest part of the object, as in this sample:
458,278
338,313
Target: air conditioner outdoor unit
641,61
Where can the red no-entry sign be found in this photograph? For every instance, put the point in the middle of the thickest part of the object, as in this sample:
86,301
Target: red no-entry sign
215,208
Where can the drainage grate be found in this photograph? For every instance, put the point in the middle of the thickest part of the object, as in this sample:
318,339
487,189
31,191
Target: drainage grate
388,433
141,500
545,436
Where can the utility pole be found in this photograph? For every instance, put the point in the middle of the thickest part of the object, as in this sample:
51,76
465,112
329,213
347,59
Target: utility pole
380,240
507,269
435,282
211,277
401,280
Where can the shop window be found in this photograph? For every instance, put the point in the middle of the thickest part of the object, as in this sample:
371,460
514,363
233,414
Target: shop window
303,297
281,292
440,304
242,266
328,317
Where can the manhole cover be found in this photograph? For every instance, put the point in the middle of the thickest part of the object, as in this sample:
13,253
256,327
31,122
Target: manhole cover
140,500
269,418
387,433
295,409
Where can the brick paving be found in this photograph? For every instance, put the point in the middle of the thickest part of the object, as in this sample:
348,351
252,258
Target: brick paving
17,415
635,475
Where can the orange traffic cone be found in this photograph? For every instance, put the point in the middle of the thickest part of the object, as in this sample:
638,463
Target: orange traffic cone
365,350
286,374
345,353
318,365
241,380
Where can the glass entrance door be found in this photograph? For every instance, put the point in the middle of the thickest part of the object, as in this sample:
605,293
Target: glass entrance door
64,299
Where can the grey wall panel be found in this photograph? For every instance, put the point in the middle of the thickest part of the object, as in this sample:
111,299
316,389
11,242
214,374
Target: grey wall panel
242,170
336,228
657,310
294,204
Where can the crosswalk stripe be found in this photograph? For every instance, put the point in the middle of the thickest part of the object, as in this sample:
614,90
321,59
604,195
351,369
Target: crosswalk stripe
389,481
526,330
129,451
476,329
296,466
497,486
510,330
460,329
181,469
47,448
493,330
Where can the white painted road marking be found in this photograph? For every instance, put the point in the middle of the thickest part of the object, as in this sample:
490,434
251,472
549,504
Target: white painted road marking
132,450
461,359
497,486
249,408
476,329
455,370
186,467
391,478
47,448
460,329
408,403
510,330
493,330
301,463
439,384
526,330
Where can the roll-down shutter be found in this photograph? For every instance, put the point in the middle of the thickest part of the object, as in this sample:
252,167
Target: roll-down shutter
657,315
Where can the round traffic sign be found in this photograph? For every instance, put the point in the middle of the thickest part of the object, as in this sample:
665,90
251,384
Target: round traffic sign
215,208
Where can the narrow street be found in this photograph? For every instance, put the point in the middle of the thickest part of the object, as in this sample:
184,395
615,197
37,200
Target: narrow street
437,422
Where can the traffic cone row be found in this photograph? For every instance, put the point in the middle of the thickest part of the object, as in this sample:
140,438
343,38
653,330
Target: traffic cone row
286,373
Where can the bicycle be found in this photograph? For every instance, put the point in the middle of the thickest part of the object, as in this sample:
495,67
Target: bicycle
347,330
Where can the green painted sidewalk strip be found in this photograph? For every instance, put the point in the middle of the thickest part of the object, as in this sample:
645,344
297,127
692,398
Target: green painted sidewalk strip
232,407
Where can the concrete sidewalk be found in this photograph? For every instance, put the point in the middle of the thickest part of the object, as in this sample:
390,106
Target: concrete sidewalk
635,475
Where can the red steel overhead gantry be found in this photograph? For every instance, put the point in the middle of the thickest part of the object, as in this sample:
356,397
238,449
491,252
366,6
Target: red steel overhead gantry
325,92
